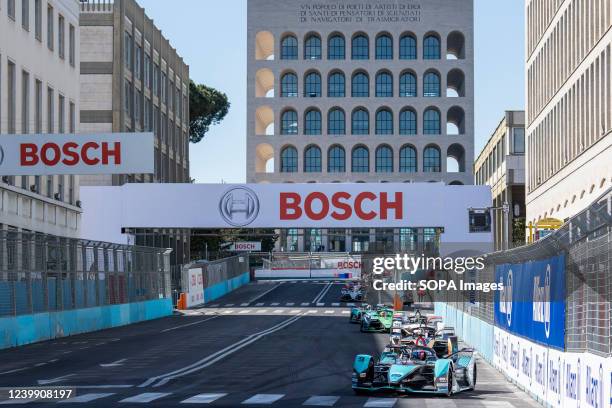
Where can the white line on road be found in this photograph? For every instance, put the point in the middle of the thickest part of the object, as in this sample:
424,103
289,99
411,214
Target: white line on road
88,397
322,293
146,397
204,398
274,304
329,312
380,402
335,304
259,304
321,401
290,304
219,355
350,304
14,371
114,363
188,324
256,298
54,380
345,312
305,304
320,304
263,399
244,312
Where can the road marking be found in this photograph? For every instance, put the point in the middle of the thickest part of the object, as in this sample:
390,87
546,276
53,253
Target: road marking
244,311
16,401
228,311
290,304
204,398
498,404
305,304
98,386
261,311
114,363
229,305
54,380
259,304
322,293
219,355
380,402
87,397
274,304
329,312
336,304
244,304
320,304
188,324
215,305
278,311
146,397
295,311
265,293
321,401
263,399
350,304
14,371
293,281
313,311
345,312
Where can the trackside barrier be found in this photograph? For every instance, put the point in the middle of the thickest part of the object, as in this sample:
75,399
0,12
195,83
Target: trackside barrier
205,282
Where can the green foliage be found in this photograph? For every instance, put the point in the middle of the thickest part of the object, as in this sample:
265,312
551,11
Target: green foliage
207,107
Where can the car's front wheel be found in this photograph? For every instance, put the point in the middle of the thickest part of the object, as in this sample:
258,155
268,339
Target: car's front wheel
449,382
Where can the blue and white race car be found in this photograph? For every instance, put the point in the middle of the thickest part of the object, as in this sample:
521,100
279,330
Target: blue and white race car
414,369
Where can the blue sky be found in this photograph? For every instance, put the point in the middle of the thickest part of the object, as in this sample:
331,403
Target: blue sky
211,37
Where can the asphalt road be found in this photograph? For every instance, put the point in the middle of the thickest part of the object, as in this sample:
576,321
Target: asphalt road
285,344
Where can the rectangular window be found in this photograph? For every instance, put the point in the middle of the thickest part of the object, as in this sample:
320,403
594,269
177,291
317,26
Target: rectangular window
147,114
127,99
61,36
25,102
10,9
138,66
50,29
164,88
71,45
156,80
128,51
50,109
12,97
147,71
49,186
61,114
72,123
25,14
137,108
518,138
170,96
38,106
38,19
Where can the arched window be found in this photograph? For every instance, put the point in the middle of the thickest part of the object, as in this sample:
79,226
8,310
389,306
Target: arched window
408,85
360,85
431,160
289,122
312,47
384,122
384,85
360,122
431,84
335,47
431,47
408,47
312,125
289,85
384,47
336,160
312,85
312,159
360,49
289,160
408,160
336,122
408,122
289,48
336,85
360,161
431,122
384,159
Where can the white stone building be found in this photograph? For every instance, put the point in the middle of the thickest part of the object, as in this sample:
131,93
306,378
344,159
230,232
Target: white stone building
569,105
39,93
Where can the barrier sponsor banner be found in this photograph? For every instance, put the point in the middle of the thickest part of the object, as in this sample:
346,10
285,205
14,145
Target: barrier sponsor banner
532,303
305,273
245,246
195,290
104,153
558,378
344,262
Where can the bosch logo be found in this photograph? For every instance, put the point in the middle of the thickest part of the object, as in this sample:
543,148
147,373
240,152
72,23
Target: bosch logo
239,206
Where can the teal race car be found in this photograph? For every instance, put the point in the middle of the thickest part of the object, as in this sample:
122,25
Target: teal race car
414,369
358,311
377,320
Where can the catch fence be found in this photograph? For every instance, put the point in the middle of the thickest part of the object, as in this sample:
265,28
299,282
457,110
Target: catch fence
45,273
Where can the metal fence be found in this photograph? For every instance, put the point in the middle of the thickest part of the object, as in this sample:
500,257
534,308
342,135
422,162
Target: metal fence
586,242
40,273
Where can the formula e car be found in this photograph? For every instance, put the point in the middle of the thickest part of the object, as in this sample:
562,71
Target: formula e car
443,342
377,320
414,369
358,311
351,292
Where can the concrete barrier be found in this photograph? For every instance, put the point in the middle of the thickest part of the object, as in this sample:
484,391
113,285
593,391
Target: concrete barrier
223,288
25,329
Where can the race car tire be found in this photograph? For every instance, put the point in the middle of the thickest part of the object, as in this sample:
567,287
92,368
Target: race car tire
474,376
449,379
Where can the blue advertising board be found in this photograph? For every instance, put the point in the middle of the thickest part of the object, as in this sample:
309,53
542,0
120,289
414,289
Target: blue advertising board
532,303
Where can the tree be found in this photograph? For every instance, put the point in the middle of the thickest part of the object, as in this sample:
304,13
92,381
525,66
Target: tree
207,107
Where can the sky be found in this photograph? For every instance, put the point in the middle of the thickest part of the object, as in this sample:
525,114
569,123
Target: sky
211,38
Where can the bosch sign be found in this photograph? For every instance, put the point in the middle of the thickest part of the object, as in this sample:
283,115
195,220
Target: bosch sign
112,153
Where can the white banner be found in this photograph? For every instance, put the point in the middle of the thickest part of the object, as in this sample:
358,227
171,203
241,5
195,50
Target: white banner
195,290
105,153
245,246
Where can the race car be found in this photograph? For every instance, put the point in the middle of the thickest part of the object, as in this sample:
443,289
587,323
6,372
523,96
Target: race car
443,342
377,320
414,369
351,292
357,312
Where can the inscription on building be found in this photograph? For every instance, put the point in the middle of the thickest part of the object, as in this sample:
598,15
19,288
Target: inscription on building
351,13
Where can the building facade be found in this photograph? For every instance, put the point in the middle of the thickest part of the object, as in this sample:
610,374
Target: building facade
569,105
501,165
376,91
132,80
39,93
